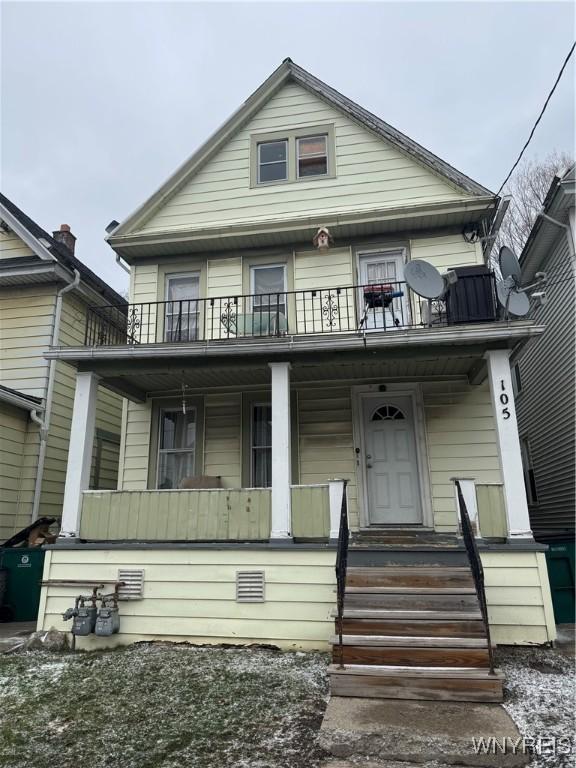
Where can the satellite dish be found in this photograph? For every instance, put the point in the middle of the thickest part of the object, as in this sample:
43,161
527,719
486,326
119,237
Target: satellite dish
424,279
514,302
509,264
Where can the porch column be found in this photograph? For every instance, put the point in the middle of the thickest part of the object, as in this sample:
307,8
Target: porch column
508,443
79,451
281,452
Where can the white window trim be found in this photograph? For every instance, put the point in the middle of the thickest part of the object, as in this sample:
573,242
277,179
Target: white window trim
160,450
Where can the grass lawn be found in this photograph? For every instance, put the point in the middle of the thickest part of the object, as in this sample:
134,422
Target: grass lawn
153,705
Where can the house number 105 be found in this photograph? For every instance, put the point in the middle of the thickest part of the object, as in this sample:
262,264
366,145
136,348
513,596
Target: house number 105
504,399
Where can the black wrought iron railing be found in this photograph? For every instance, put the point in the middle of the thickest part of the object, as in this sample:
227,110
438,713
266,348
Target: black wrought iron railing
341,569
476,567
382,306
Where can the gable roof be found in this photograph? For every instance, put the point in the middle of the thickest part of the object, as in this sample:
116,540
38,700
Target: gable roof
544,233
288,71
49,249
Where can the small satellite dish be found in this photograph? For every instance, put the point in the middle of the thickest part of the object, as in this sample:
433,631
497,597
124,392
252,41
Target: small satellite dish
424,279
514,302
509,264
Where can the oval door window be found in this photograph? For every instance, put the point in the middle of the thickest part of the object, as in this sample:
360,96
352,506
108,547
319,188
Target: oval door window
387,412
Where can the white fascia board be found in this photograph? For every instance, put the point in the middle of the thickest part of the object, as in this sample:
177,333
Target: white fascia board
19,401
484,334
19,229
304,222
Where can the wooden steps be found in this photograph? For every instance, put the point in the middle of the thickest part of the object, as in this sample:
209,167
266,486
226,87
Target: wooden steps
413,631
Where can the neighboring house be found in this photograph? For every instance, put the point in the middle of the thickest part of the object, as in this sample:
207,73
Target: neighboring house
45,292
545,383
264,359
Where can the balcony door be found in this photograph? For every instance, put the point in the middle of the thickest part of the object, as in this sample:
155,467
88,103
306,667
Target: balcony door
377,270
182,308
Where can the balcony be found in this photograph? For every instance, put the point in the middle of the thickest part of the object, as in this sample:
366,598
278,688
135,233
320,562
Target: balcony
355,309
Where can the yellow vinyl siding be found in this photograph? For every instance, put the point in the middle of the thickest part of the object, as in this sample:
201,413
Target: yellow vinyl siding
136,447
222,438
461,442
13,431
316,271
326,444
518,597
446,251
26,319
370,173
191,595
11,246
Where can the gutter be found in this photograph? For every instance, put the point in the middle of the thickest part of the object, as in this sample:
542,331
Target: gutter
569,234
44,424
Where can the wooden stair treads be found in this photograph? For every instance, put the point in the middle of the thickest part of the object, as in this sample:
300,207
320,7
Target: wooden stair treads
402,576
412,629
413,601
413,656
411,683
416,628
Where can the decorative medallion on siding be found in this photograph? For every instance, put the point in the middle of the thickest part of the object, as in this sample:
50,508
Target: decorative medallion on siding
133,583
249,586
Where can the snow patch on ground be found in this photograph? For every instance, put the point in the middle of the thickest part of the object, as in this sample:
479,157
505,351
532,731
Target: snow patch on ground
539,696
162,706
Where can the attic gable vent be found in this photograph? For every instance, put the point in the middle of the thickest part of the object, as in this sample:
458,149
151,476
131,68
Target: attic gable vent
249,586
133,583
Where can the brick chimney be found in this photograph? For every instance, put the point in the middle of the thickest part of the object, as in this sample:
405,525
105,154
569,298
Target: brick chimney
65,236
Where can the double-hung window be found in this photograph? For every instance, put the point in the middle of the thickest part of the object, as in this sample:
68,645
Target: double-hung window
176,447
272,161
312,156
261,446
182,308
268,289
299,154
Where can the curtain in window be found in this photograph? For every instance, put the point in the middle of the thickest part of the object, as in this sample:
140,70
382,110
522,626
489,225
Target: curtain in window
177,447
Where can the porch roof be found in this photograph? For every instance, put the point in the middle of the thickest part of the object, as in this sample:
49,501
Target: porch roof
138,371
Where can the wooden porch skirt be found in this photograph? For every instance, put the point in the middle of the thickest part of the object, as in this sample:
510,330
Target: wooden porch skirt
199,515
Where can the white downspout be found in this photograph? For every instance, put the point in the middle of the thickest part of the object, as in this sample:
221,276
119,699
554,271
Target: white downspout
44,424
569,234
121,263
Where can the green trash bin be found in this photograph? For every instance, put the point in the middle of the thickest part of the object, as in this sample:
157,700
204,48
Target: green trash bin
561,572
24,568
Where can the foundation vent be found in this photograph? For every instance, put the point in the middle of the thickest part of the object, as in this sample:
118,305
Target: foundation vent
249,586
133,583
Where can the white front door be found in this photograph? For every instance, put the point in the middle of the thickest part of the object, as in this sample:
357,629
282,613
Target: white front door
383,268
392,483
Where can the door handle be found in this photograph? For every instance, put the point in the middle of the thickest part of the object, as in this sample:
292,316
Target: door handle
368,461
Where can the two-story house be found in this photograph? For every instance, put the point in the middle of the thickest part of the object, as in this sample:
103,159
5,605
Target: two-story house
544,380
45,291
273,350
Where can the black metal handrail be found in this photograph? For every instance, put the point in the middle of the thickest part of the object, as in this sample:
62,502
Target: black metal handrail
476,568
383,306
341,569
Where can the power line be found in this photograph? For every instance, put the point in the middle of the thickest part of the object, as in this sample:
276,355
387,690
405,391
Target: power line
566,60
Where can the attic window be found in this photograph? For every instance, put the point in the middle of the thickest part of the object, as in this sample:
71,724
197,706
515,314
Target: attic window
272,161
312,156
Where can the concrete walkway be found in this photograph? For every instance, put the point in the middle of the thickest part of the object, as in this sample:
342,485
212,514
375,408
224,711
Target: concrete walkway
381,733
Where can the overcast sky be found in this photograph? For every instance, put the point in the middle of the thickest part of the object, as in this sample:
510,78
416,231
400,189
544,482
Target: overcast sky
102,101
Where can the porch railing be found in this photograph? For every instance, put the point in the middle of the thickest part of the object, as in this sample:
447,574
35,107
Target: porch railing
341,570
385,306
476,567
